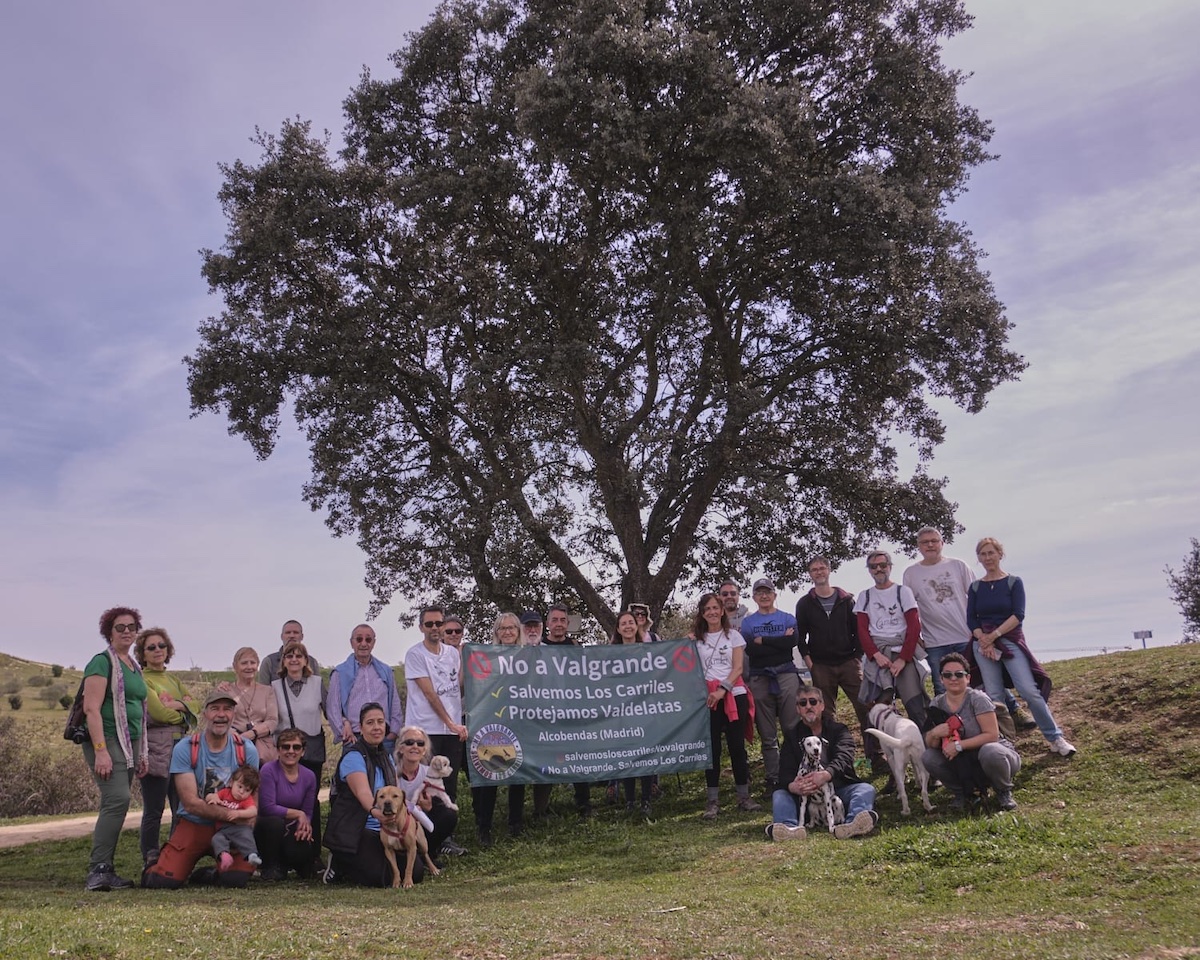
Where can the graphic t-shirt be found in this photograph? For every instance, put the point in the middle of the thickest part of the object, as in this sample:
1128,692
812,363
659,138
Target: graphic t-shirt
716,656
941,592
442,670
212,770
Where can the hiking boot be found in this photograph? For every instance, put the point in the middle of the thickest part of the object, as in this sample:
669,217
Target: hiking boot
862,824
748,804
1062,746
452,848
99,878
119,883
1024,719
711,809
1005,801
781,831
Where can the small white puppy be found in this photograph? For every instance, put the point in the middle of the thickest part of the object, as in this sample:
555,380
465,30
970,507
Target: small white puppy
435,783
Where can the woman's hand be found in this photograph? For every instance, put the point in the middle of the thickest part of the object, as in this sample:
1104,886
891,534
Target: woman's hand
882,662
170,702
950,748
938,733
103,765
303,826
715,697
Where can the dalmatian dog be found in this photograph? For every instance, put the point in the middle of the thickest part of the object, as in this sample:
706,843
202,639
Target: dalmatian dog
824,809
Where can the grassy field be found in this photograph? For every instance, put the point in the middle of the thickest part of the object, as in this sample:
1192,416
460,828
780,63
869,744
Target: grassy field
1101,860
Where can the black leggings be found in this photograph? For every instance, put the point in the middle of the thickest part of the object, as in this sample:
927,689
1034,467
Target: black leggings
735,736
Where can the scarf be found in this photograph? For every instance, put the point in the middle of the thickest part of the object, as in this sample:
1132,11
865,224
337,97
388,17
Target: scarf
121,716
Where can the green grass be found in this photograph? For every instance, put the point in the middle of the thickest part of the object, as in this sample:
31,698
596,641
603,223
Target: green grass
1102,860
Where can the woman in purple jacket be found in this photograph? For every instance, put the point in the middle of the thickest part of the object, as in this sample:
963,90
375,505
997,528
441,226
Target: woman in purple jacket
287,803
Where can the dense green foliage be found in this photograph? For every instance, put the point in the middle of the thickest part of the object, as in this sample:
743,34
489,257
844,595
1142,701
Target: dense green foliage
1185,591
604,299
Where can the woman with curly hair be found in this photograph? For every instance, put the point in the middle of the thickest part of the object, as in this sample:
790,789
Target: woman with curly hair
114,697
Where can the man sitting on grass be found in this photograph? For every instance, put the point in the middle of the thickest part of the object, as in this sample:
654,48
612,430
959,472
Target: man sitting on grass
200,767
837,760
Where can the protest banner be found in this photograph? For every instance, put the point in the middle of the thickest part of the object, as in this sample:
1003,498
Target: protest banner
552,714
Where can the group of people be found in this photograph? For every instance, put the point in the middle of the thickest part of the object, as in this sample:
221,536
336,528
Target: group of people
242,769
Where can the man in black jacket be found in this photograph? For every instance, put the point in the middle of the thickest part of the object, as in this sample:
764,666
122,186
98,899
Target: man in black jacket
827,637
837,761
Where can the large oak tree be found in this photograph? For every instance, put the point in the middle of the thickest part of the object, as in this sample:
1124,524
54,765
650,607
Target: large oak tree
607,297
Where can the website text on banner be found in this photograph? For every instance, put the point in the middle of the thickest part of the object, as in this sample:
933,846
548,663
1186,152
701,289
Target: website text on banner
569,715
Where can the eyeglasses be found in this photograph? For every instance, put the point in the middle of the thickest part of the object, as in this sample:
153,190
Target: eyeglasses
125,627
364,639
430,624
878,566
453,630
729,593
290,747
294,655
808,701
413,743
954,674
156,646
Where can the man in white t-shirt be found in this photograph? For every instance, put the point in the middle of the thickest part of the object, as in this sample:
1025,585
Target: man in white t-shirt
433,674
889,629
940,585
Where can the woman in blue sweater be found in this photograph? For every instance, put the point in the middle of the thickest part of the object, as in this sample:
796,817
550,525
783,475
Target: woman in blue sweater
995,613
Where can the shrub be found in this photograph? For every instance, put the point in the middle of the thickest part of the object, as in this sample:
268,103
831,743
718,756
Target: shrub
37,680
36,782
15,701
12,685
57,669
65,701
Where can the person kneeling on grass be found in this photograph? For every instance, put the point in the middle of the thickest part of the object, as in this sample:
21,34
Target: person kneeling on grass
964,748
837,762
200,765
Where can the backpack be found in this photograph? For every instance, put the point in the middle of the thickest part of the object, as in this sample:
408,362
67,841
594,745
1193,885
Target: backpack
974,588
239,747
76,730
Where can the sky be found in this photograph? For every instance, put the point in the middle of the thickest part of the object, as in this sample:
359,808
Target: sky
116,118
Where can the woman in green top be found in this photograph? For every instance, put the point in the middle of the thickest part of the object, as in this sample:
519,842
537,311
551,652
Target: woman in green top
114,694
170,712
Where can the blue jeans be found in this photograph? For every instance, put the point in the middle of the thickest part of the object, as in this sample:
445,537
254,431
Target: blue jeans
855,797
1021,675
934,656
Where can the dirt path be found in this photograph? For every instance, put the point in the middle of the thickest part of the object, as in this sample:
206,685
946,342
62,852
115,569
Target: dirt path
72,827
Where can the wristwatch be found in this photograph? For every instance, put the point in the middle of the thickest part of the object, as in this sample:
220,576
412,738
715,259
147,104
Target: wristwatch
958,745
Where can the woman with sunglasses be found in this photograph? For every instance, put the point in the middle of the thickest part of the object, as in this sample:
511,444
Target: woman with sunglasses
170,713
964,747
412,755
641,613
114,697
285,831
352,829
299,700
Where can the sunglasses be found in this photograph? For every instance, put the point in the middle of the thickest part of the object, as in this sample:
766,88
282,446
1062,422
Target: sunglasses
453,630
729,594
156,646
413,743
878,566
808,701
953,674
430,624
125,627
290,747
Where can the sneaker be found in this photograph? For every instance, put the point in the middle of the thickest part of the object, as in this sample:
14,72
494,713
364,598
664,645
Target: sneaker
646,809
958,803
255,859
150,859
862,824
452,848
711,809
781,831
328,875
224,861
119,883
1062,746
273,874
99,878
1004,799
748,804
1024,719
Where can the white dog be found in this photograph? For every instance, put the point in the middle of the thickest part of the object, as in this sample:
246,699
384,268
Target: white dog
902,744
435,783
830,811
